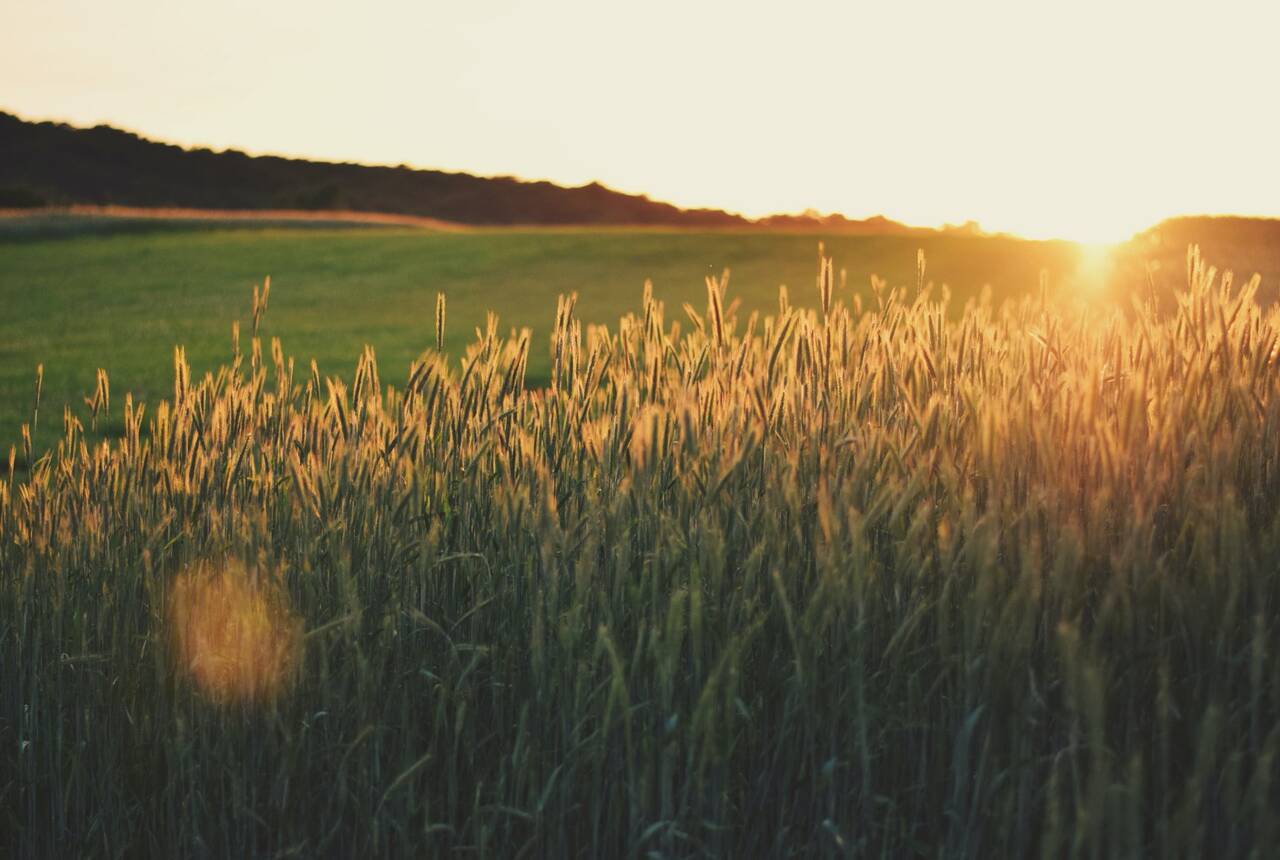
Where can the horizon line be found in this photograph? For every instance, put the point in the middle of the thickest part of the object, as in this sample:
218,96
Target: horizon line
810,213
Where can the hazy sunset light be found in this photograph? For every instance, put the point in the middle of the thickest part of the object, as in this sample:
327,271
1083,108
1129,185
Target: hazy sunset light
670,429
1083,120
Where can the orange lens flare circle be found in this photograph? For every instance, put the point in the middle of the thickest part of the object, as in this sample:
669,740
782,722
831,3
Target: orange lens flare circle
232,633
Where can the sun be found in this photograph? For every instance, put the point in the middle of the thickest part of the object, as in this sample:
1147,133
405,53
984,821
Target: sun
1089,228
1095,265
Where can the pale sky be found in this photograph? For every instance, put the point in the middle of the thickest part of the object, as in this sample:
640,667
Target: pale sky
1085,120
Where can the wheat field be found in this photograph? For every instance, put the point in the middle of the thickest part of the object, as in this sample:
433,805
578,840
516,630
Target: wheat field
856,577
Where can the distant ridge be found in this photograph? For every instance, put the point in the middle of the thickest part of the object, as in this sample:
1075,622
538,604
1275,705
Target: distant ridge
877,225
52,164
1214,229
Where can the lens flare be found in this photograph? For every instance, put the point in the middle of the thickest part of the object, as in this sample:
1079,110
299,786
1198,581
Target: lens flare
232,633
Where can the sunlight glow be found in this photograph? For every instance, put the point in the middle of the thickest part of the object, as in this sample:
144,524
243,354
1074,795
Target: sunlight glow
1085,121
232,634
1095,267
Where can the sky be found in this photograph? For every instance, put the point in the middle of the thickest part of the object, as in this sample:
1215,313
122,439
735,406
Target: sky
1083,120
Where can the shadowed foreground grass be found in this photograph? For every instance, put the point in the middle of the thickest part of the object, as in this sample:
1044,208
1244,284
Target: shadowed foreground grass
880,580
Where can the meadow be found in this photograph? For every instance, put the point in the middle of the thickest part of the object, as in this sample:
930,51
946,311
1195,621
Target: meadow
119,295
858,573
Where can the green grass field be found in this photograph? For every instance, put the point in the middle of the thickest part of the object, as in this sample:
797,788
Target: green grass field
79,300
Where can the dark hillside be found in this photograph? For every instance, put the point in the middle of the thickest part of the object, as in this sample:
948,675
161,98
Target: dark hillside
46,163
1243,245
1223,231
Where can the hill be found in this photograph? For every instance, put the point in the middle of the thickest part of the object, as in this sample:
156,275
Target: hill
1214,229
53,164
49,163
1244,245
